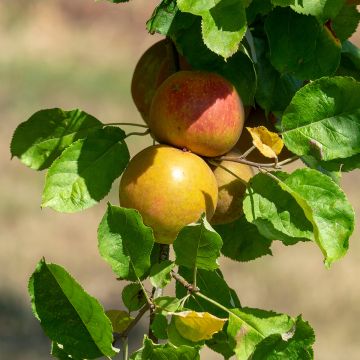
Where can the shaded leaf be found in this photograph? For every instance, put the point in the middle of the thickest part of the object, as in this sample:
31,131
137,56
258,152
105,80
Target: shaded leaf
133,297
317,54
160,273
159,326
167,304
67,313
242,241
85,171
323,119
120,320
350,61
275,213
346,21
125,242
198,245
38,141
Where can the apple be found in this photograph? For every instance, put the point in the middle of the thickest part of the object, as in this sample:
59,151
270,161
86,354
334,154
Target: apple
156,64
231,186
170,188
257,118
199,111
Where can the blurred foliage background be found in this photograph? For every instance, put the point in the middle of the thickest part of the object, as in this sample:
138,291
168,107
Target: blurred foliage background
81,54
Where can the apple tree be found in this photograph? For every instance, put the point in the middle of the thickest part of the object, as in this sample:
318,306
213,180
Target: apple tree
235,90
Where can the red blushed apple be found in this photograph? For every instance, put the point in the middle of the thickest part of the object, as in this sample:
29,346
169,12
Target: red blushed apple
199,111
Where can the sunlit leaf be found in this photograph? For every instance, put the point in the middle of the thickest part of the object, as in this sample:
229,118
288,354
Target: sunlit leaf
267,142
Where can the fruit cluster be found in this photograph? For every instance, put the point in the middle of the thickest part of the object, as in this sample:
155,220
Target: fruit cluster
194,115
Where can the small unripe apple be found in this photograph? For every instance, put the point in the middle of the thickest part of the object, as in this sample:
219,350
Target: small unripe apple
199,111
231,186
170,188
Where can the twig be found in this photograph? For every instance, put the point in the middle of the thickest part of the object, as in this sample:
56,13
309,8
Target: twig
247,152
125,348
139,133
126,124
190,287
274,165
140,314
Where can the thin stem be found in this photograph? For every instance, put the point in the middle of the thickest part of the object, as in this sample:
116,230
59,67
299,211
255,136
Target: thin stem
275,165
140,314
125,348
126,124
247,152
148,300
191,288
139,133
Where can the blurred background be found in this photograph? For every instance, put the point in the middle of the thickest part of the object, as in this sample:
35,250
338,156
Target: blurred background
81,54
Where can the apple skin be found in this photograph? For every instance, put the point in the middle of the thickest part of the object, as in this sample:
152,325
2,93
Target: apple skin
231,190
257,118
170,188
198,111
153,67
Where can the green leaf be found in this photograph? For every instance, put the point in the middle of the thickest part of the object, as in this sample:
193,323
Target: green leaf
38,141
163,17
120,320
198,245
176,339
166,304
322,9
211,284
323,119
275,213
133,297
85,171
350,61
274,91
151,351
300,45
159,326
222,343
60,353
160,273
327,207
223,23
68,315
239,69
256,8
346,22
242,241
297,347
248,327
125,242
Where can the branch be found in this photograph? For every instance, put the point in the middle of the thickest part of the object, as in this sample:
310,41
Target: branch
275,165
140,314
189,287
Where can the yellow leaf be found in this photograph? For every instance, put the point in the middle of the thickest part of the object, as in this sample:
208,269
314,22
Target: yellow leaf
120,320
269,143
197,326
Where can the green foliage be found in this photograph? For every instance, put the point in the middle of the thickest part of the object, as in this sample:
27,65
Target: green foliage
125,242
242,241
275,213
150,351
198,245
133,297
323,119
38,141
160,273
85,171
68,314
300,45
284,63
326,206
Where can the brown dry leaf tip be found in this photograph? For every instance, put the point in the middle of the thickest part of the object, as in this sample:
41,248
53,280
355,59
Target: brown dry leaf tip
267,142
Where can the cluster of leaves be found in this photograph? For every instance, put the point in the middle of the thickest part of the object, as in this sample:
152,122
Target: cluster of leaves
289,57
